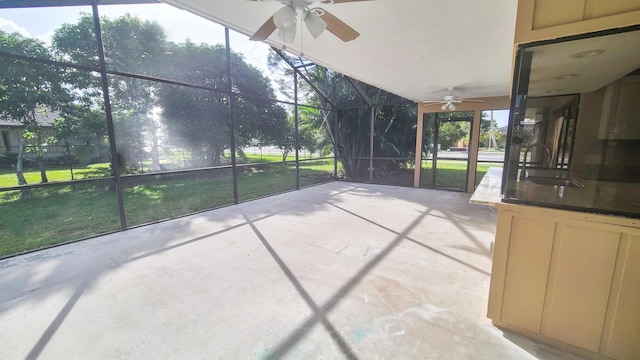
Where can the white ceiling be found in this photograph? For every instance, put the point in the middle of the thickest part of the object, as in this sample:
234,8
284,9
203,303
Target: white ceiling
412,48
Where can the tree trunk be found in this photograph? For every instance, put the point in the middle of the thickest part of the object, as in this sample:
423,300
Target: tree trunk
213,156
155,156
43,170
26,193
217,155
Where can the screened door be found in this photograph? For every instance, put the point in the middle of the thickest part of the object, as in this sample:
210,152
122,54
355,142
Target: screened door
446,139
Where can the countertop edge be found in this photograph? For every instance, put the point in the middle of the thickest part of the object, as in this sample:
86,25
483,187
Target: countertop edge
488,191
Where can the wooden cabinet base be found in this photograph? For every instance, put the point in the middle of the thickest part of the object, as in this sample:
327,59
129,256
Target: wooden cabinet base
569,278
560,345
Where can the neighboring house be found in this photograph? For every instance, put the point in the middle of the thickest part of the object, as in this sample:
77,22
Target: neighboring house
12,131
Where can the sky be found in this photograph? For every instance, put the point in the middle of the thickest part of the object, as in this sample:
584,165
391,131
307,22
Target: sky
501,117
178,24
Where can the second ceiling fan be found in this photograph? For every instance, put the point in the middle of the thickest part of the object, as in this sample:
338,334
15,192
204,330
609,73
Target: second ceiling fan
450,101
316,20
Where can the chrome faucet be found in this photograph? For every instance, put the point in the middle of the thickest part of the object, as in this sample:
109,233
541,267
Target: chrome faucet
526,152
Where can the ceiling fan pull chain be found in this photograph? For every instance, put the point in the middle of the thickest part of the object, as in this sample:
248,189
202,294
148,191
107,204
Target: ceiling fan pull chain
301,39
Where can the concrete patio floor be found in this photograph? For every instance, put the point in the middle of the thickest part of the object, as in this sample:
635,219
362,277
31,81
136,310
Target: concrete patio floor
335,271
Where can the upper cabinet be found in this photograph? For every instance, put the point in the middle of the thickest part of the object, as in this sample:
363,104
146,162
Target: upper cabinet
550,19
620,117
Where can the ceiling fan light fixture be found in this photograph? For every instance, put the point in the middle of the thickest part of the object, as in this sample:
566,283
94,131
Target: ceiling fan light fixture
452,107
285,18
287,35
314,23
587,54
565,77
444,107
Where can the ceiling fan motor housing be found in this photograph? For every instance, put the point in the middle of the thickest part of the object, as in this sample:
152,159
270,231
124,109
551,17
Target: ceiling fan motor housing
317,20
451,99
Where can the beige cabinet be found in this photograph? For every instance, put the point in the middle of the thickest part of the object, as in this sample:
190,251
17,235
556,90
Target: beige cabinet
551,19
549,13
570,278
620,118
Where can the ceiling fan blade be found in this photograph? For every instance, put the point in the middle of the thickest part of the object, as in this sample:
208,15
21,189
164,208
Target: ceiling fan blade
338,27
427,103
475,101
264,31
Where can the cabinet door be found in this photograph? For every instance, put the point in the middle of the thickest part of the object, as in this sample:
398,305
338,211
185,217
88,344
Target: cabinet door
580,279
527,269
621,335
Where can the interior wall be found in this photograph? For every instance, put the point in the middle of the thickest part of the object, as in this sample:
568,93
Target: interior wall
587,151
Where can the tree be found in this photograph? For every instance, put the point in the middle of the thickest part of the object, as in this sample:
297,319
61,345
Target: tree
130,45
85,124
394,125
450,133
312,133
28,88
201,119
141,109
286,142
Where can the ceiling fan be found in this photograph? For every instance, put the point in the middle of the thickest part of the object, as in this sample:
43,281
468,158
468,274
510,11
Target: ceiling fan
449,101
316,20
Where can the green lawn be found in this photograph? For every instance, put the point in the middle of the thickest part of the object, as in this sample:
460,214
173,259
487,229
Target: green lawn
55,173
63,172
57,214
62,213
452,174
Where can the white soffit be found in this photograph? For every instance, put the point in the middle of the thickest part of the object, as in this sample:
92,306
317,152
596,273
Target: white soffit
412,48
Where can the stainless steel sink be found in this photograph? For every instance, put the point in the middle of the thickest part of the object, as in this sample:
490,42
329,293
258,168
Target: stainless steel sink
543,180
